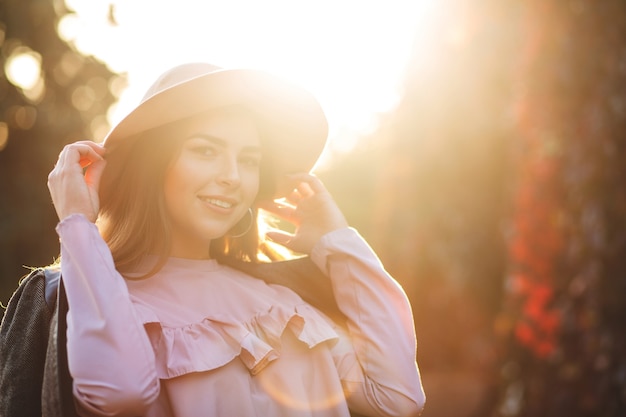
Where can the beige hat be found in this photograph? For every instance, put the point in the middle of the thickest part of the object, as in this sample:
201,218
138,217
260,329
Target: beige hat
296,127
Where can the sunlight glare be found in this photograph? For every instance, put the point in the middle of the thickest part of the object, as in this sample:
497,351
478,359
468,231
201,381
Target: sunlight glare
23,68
352,55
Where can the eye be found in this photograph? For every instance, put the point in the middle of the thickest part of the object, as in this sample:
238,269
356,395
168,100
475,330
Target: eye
204,150
250,160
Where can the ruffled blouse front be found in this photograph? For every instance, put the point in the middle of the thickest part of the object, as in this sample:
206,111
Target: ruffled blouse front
200,315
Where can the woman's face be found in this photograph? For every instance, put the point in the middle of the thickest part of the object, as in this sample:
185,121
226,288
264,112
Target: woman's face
213,181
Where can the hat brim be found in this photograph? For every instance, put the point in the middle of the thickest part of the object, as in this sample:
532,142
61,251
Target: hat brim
295,127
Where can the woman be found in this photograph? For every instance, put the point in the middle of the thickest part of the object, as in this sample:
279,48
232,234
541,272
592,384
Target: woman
162,321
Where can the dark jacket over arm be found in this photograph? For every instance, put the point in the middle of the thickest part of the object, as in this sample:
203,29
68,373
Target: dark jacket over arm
23,343
34,379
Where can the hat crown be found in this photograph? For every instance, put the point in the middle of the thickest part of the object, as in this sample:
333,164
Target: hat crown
177,75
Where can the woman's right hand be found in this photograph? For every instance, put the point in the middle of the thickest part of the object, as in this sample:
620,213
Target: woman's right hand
74,181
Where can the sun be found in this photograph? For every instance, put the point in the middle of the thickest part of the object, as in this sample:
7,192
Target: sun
351,55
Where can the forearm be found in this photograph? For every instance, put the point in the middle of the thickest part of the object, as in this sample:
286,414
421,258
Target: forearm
379,365
109,354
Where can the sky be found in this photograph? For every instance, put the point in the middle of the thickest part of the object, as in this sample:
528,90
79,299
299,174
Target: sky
351,55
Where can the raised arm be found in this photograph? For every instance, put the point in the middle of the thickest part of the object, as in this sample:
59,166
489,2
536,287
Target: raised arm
109,354
376,358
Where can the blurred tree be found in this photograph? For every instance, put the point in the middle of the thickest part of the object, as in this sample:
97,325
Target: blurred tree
504,164
567,277
50,95
437,175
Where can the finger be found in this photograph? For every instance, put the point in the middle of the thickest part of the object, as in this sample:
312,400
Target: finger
94,173
283,211
314,183
305,190
80,155
280,237
293,198
83,153
97,147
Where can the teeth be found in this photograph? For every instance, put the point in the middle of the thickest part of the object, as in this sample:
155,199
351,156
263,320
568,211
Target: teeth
219,203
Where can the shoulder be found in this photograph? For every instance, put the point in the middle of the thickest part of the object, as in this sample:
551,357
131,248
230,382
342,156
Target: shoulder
36,290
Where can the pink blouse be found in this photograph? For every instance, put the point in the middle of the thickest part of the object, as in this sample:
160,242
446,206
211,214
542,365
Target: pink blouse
202,339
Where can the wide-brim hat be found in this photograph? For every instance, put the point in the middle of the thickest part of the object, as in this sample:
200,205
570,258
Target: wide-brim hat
295,127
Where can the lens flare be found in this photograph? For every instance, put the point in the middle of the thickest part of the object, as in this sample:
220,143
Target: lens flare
23,68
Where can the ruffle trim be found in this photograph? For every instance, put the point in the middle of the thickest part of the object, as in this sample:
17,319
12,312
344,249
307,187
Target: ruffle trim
216,341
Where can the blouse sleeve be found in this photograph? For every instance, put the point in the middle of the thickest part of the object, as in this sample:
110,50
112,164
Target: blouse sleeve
377,359
109,354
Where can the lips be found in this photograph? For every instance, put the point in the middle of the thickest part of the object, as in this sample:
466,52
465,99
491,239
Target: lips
219,202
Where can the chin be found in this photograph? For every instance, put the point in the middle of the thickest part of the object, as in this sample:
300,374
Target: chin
216,233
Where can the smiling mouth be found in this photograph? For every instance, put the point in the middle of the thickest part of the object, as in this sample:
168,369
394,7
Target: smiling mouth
218,203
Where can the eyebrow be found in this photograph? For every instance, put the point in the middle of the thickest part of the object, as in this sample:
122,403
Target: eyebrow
223,143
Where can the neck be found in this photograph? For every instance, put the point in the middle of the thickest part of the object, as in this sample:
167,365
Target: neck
190,250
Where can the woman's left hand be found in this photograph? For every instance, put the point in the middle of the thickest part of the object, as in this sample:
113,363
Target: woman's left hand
313,211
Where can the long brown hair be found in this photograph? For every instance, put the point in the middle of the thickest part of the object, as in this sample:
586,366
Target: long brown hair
133,220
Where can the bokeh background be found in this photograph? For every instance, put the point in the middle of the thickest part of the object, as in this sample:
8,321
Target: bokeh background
494,189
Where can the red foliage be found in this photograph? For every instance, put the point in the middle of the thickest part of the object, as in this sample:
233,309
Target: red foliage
537,240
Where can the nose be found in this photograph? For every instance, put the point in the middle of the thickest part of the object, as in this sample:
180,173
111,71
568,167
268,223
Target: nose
229,172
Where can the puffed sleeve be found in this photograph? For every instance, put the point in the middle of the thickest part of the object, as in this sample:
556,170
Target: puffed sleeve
376,357
109,354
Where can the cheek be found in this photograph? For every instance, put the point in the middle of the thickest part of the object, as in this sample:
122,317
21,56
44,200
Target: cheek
170,197
252,185
175,184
